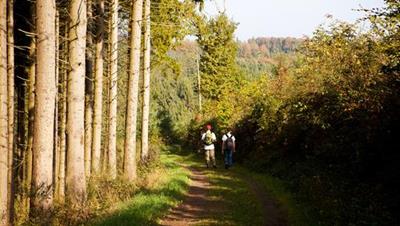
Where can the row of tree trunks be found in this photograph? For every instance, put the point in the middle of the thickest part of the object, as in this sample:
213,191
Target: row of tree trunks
133,91
60,97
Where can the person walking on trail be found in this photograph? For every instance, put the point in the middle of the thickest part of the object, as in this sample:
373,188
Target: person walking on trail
208,139
228,147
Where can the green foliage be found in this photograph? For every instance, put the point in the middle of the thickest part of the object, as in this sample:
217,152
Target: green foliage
327,126
171,22
217,63
324,119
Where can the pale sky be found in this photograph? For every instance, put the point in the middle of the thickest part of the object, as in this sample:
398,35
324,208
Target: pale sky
283,18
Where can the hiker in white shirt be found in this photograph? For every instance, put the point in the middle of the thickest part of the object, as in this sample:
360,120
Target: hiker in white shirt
208,139
228,147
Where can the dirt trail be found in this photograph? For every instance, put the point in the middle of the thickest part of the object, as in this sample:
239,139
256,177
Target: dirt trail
198,206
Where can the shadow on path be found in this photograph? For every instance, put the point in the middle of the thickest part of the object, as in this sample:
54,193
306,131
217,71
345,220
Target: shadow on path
197,205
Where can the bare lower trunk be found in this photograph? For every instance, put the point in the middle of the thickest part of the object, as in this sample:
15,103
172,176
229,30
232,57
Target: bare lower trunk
98,89
146,83
133,88
56,165
44,108
75,180
4,214
30,108
89,91
63,118
112,145
10,71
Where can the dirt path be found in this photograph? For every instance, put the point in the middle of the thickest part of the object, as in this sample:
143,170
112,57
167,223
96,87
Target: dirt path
199,207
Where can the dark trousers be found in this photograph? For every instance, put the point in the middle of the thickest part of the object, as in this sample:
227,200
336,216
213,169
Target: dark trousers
228,157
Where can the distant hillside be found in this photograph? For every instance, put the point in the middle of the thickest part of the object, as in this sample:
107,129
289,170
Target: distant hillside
268,46
259,56
256,56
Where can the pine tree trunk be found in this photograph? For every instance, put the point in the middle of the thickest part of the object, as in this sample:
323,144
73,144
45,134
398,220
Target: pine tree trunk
98,88
64,70
133,92
44,109
75,176
3,116
146,83
112,145
89,91
56,167
63,118
11,121
30,111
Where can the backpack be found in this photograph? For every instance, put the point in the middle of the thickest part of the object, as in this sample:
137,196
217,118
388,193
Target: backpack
208,139
229,142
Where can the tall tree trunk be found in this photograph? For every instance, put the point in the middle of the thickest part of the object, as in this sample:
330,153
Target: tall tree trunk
56,164
3,116
75,180
146,83
31,115
10,71
44,109
89,90
112,145
63,117
133,91
98,88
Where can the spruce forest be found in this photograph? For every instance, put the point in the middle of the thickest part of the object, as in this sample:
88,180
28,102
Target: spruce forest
103,104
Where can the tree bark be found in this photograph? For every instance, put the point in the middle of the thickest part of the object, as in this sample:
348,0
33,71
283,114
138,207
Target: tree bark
133,92
44,108
75,176
4,214
30,112
11,121
98,88
89,91
146,83
63,118
112,145
56,164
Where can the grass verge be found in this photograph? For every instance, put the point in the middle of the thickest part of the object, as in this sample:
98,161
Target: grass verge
165,188
297,213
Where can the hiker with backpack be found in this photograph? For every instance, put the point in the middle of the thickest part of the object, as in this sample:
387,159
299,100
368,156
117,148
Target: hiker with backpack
228,147
208,139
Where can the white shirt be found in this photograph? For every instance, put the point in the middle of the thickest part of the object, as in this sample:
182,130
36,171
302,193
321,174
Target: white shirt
214,138
224,137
